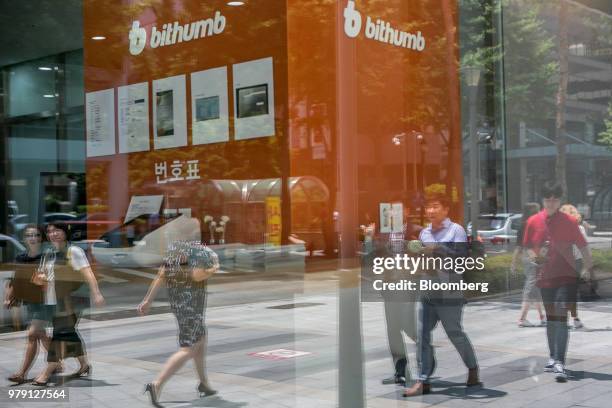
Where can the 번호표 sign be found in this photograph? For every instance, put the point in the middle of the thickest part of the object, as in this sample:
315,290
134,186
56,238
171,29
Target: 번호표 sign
192,171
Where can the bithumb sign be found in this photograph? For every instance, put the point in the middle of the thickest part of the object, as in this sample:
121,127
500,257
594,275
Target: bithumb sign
171,33
380,30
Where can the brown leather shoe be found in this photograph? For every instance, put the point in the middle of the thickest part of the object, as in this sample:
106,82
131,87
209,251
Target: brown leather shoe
473,380
418,388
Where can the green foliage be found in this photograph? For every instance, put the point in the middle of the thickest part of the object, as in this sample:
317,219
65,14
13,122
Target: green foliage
605,137
52,202
497,267
602,260
525,55
439,188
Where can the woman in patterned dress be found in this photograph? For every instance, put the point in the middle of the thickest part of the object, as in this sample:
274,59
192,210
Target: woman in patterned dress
186,268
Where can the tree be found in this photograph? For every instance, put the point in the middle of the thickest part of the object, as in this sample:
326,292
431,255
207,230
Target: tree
561,162
605,137
526,52
508,41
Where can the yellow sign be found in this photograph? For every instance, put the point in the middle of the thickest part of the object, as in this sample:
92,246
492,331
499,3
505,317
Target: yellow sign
273,220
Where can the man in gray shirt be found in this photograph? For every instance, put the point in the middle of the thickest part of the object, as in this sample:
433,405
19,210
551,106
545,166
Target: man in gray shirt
442,239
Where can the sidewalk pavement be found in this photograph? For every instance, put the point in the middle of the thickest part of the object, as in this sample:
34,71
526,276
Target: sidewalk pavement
127,353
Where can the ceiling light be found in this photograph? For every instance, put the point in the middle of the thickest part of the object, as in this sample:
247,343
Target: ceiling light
48,96
235,3
98,38
45,68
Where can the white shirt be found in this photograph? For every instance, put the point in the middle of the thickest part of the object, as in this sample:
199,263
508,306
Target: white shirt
78,260
577,253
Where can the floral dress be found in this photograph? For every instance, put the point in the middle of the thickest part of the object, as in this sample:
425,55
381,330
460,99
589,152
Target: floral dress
188,297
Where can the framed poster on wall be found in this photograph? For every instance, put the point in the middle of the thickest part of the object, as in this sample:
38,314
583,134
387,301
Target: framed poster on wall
169,113
209,106
133,111
100,122
254,99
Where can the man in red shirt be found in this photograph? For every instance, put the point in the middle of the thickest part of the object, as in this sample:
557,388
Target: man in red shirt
549,238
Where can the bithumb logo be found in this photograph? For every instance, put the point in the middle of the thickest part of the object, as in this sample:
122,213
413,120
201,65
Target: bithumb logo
138,38
352,20
380,30
171,33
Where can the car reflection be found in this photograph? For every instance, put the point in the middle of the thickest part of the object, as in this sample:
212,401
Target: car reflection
142,241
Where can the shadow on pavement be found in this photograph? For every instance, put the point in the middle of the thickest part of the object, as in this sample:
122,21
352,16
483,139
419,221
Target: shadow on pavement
606,329
583,375
80,382
212,401
446,391
459,390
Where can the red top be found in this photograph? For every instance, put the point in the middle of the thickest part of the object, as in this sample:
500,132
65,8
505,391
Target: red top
562,232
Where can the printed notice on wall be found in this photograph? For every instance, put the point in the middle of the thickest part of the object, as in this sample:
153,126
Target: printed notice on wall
169,113
253,99
209,111
100,122
140,205
133,111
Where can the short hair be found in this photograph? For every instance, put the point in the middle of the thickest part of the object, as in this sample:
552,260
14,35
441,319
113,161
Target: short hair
438,197
551,189
60,225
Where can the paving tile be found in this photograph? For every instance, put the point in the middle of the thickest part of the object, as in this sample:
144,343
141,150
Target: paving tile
125,357
603,400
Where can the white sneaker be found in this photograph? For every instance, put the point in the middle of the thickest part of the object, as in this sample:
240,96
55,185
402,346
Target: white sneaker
549,366
560,374
525,323
578,324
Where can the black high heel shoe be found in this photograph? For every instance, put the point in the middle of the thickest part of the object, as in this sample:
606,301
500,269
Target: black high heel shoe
206,391
152,394
40,383
83,372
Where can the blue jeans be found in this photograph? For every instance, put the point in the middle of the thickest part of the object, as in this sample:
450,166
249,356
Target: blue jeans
557,302
449,313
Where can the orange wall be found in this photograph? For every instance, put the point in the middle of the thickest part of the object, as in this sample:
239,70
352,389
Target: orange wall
384,90
252,32
393,90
